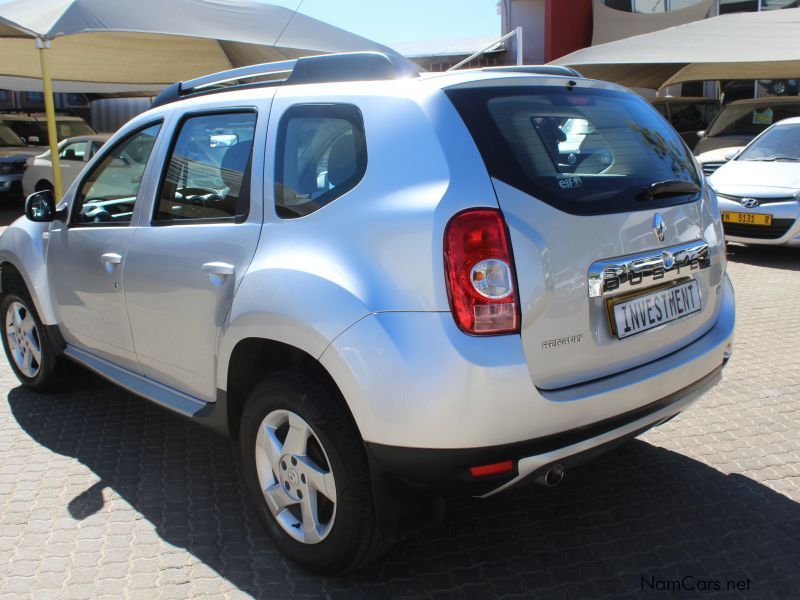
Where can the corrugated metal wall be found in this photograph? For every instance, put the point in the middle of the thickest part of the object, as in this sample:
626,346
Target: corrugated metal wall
109,114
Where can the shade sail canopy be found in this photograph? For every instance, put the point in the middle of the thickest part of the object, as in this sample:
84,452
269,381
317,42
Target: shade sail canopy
736,46
122,45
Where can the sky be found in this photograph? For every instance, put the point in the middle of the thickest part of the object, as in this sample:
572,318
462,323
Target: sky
389,21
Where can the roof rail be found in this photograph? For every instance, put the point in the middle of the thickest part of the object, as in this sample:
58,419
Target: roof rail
538,70
323,68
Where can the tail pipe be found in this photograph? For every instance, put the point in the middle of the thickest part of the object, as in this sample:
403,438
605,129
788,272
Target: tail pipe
551,476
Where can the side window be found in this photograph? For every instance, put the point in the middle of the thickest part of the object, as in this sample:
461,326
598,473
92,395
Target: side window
108,195
74,151
208,171
322,154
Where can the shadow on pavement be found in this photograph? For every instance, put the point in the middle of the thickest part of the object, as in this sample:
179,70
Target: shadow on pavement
775,257
640,516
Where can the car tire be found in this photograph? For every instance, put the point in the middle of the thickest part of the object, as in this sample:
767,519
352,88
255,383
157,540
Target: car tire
327,479
28,349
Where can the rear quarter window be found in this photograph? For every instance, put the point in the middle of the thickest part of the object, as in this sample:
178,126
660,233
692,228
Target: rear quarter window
582,150
322,155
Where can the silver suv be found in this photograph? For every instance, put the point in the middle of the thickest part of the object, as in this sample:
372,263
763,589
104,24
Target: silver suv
389,288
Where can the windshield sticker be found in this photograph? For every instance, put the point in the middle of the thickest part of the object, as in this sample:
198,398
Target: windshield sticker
570,183
763,117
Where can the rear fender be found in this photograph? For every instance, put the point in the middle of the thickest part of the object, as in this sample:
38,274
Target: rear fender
267,307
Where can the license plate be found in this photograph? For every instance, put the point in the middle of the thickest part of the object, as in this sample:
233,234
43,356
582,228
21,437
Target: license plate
747,218
651,310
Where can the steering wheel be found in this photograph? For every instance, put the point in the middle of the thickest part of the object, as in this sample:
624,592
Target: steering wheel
199,196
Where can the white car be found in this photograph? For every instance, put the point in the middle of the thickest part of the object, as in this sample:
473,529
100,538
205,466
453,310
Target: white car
759,189
737,124
73,154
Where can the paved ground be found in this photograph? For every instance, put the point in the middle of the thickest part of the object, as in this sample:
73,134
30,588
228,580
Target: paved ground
102,494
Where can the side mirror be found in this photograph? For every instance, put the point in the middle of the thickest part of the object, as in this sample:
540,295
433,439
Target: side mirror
33,139
40,207
731,155
701,133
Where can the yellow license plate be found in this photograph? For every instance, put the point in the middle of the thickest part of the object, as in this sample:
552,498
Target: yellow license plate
747,218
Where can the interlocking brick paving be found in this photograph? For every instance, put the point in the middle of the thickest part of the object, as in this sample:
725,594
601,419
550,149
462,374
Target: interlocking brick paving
105,495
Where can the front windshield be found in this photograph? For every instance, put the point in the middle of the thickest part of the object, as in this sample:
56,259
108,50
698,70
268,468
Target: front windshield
751,120
781,143
8,138
69,128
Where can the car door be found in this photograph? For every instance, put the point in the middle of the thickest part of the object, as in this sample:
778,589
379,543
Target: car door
182,269
85,256
72,158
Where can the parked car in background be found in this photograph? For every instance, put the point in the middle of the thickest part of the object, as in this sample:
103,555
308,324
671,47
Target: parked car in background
377,334
687,115
73,154
33,127
737,124
14,152
759,189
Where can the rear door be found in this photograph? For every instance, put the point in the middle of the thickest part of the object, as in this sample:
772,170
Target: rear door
577,208
183,269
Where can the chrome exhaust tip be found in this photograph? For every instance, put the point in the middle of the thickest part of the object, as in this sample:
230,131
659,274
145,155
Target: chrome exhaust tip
552,476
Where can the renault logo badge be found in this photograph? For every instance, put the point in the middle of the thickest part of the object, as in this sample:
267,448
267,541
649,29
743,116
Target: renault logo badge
659,228
749,202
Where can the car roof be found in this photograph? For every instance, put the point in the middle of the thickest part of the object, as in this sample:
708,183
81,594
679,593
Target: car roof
766,101
36,117
789,121
95,137
679,99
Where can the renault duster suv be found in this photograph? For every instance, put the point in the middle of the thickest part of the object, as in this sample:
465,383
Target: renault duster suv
389,288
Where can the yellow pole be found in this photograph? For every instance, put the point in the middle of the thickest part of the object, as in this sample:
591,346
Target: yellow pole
50,110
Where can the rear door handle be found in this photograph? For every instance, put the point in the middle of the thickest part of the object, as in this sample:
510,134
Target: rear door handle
218,272
111,259
219,268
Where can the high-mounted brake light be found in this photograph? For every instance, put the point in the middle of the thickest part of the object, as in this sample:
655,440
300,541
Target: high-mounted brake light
480,273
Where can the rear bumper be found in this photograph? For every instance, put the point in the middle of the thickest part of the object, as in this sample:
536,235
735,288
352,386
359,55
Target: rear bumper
446,472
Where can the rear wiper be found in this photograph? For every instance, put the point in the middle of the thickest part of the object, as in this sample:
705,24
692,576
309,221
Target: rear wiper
671,187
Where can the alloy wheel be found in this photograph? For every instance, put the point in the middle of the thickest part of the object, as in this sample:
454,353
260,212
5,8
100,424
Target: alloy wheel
295,476
24,341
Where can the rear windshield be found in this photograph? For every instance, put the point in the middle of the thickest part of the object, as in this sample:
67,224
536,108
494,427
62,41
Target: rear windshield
583,151
750,120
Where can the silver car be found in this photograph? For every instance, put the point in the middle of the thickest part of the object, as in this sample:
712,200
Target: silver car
759,190
388,288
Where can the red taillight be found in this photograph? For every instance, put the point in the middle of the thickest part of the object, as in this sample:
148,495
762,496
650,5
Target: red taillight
494,469
481,282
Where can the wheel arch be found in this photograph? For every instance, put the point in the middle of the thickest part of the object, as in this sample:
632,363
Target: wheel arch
11,274
254,358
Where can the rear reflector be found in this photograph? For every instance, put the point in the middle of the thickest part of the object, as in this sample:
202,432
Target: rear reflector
494,469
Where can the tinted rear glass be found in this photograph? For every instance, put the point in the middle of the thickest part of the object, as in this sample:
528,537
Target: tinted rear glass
750,120
584,151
